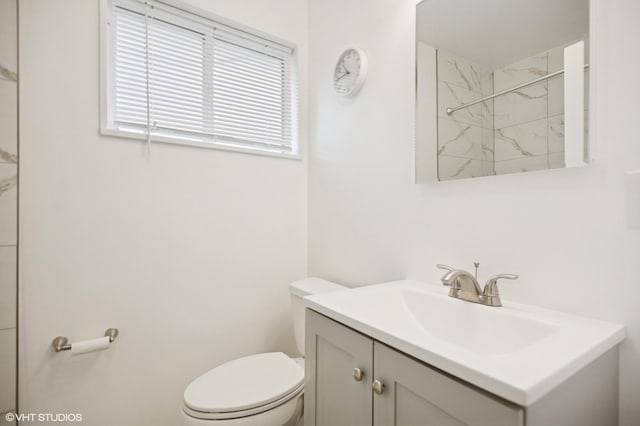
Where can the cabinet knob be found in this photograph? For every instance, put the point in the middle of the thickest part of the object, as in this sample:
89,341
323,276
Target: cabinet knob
378,387
358,374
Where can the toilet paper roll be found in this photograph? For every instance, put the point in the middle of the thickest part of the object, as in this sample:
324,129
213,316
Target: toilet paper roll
93,345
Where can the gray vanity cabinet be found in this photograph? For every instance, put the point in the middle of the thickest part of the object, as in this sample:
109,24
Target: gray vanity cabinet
333,396
414,394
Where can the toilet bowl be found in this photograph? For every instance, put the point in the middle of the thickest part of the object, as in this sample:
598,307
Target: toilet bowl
257,390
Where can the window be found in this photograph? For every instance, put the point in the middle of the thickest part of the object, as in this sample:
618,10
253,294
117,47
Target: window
172,75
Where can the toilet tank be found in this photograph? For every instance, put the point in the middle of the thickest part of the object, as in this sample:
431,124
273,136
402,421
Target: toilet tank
300,289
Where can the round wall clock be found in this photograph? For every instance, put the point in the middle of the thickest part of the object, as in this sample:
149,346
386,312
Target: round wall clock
350,72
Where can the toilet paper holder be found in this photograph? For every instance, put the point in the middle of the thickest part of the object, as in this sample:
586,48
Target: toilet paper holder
61,343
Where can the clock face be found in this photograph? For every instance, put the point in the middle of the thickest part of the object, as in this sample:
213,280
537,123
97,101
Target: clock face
350,72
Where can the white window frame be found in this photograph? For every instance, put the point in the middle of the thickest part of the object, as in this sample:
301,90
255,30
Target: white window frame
107,127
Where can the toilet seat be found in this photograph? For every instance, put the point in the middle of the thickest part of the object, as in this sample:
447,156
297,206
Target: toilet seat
244,387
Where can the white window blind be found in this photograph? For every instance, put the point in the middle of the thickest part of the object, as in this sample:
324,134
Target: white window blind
175,75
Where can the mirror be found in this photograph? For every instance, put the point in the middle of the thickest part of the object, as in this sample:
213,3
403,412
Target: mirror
501,87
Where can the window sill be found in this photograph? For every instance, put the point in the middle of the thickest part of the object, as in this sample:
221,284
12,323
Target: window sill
206,145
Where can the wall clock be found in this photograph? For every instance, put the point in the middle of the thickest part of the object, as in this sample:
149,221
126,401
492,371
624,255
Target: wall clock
350,72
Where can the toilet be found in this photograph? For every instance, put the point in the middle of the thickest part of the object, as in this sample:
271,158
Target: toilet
257,390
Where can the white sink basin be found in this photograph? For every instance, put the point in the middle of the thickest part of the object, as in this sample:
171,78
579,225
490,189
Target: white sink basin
516,351
481,329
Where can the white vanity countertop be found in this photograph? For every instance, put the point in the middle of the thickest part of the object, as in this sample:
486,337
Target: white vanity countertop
518,352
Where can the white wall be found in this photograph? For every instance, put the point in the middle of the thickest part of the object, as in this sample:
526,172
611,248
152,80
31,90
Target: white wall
189,254
563,231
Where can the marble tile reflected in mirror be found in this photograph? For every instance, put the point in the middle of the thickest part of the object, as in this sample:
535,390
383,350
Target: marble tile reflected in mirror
491,90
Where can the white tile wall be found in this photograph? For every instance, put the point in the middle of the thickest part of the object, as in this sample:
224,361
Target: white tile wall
459,139
521,106
488,145
7,369
450,96
8,120
462,73
465,139
556,133
520,72
8,39
8,204
487,111
527,164
456,167
518,130
556,160
556,96
7,287
522,141
488,168
530,122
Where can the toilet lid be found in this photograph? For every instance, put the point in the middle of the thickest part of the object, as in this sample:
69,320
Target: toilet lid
244,383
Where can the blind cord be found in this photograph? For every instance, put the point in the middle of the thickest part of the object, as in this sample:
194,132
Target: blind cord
147,83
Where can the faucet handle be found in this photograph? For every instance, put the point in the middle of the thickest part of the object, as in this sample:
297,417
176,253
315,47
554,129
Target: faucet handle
455,285
491,287
491,293
445,267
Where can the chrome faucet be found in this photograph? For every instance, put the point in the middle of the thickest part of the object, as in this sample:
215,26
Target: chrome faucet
463,285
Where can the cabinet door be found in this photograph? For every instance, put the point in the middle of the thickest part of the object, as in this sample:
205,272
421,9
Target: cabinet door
333,396
416,394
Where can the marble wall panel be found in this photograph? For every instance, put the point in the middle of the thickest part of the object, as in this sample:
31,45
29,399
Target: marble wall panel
521,106
463,135
462,73
520,165
7,287
7,369
8,203
8,121
520,72
522,141
456,167
459,139
8,40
